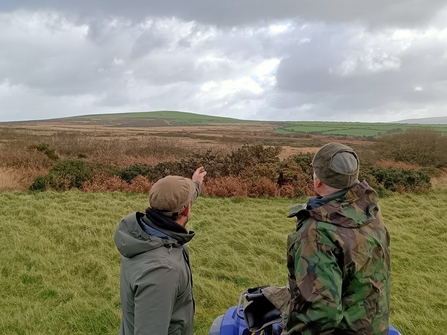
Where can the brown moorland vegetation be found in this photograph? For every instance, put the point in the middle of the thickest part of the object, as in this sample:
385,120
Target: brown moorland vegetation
241,160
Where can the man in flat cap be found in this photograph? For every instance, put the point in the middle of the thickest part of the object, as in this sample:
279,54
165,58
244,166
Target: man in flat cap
156,281
339,258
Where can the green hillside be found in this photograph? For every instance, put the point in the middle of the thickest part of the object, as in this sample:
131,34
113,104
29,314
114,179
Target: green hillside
158,118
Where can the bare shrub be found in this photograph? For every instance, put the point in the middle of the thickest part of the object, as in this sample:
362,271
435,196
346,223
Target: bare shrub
424,147
104,183
226,187
263,187
287,191
140,185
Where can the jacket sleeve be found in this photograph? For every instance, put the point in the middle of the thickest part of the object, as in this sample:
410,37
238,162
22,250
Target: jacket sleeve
197,191
316,286
156,290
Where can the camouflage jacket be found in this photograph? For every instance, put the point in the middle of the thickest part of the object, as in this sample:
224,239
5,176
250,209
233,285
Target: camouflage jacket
339,266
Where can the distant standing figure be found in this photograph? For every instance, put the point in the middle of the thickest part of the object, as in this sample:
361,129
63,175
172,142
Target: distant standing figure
156,280
339,257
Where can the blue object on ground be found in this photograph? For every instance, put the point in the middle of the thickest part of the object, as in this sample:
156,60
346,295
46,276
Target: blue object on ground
233,323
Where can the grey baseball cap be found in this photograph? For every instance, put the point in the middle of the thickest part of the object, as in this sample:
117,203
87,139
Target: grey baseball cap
336,165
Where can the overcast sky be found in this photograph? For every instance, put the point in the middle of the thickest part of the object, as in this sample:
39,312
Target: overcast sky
347,60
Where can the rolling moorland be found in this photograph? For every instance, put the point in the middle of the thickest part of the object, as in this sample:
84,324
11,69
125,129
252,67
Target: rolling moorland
66,183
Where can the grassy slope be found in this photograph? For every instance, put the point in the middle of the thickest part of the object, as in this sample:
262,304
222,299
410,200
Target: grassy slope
172,116
59,269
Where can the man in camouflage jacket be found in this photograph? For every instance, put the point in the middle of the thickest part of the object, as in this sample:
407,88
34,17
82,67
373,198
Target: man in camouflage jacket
338,258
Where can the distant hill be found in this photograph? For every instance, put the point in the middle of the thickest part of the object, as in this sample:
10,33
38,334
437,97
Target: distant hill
149,119
426,120
292,128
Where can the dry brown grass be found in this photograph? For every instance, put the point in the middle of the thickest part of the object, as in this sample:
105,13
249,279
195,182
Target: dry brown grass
17,179
399,165
17,156
440,182
288,151
16,150
9,181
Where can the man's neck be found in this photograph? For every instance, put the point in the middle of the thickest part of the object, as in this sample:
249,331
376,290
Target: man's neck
181,221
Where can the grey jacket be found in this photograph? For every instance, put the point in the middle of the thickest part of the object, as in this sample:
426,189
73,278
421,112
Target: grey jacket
156,282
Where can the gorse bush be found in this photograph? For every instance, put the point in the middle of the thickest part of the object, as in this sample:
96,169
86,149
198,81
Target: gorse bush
41,183
132,171
216,163
73,172
395,179
246,171
64,175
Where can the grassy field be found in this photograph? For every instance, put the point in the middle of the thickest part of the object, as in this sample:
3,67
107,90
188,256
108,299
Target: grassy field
351,128
59,268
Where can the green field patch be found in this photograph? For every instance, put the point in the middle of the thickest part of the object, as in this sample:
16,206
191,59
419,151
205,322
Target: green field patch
351,128
62,276
355,132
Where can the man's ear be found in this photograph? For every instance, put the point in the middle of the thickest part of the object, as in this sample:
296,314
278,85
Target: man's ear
186,211
318,186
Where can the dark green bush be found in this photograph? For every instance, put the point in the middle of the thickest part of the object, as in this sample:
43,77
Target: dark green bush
64,175
40,184
395,179
248,156
217,164
71,171
304,161
213,161
132,171
67,174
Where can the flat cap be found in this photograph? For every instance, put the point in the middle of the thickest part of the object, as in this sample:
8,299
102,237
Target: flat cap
336,165
171,194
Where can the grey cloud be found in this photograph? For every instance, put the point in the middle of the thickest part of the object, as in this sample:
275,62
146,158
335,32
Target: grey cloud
232,12
101,63
145,44
311,76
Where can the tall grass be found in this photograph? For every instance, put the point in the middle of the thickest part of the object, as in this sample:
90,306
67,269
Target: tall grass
59,268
